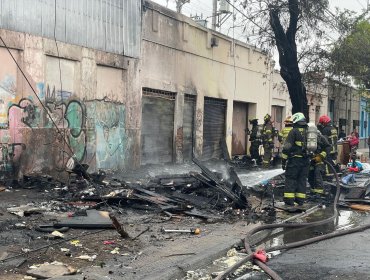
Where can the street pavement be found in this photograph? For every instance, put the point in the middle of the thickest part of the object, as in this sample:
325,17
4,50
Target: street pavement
345,257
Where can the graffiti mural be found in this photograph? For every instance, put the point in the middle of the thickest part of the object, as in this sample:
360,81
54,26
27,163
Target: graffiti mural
111,141
7,98
68,114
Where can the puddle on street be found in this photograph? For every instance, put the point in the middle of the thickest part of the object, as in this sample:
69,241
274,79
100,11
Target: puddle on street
347,219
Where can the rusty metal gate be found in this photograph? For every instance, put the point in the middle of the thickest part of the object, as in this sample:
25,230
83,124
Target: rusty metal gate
188,126
240,115
214,125
157,126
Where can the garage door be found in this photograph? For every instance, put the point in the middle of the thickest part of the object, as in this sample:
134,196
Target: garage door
188,126
213,127
157,126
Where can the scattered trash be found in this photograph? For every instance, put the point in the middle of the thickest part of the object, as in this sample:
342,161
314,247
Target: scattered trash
94,219
350,178
109,242
76,243
50,270
360,207
195,231
57,234
26,250
115,251
20,225
87,257
25,210
2,189
64,250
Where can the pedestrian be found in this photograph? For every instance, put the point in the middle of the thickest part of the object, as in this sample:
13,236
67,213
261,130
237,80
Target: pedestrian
353,144
255,139
268,140
368,144
295,162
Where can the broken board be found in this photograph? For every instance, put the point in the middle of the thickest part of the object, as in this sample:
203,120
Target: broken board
94,219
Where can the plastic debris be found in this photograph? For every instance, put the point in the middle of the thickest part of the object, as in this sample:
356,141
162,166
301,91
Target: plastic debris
115,251
109,242
76,243
87,257
57,234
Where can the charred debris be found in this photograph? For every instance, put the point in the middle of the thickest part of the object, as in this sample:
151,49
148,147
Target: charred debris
209,195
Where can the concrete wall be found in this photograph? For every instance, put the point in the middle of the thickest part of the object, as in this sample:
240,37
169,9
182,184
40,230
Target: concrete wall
280,94
317,99
177,56
346,104
91,97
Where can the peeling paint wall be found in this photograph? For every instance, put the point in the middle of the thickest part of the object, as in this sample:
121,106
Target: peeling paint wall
177,56
86,107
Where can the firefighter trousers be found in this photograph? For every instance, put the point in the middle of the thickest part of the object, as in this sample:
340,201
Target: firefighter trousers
254,150
267,154
315,177
295,180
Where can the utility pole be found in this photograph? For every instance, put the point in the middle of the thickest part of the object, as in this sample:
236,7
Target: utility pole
214,15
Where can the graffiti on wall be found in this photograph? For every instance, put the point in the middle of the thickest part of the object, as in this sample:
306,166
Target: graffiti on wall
68,114
86,129
7,97
108,120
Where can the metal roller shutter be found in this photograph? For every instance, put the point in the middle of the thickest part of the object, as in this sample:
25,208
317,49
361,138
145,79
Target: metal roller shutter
157,126
188,126
213,127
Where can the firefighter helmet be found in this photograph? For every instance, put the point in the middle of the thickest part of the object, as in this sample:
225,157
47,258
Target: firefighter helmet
288,120
298,117
324,119
253,120
267,117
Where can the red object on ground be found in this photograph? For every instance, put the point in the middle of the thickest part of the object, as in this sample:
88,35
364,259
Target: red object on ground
108,242
353,169
260,255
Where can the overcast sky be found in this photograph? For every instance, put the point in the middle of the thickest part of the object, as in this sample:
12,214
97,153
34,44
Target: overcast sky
205,6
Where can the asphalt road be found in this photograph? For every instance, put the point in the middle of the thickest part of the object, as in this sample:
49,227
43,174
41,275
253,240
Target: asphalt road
345,257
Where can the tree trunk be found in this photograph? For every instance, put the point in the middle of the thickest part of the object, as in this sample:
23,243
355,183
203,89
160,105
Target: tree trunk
288,59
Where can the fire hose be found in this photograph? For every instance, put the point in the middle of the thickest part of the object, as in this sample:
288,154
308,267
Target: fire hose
264,267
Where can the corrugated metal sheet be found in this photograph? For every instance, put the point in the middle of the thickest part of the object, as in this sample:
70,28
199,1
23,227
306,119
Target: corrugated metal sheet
108,25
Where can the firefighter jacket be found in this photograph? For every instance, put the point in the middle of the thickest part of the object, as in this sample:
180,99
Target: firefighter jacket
283,134
254,134
323,147
331,134
268,133
296,142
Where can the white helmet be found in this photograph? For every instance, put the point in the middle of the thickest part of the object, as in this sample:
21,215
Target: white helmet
298,117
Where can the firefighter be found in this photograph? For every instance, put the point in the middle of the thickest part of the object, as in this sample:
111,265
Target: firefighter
317,166
255,139
268,140
295,162
329,131
285,131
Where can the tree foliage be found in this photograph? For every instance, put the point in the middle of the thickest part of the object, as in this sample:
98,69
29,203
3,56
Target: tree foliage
351,55
296,29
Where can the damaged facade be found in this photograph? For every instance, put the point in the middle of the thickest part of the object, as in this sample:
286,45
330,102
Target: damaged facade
86,82
143,85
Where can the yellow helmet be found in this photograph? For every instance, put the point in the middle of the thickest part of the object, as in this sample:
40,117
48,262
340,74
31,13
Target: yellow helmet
288,120
267,117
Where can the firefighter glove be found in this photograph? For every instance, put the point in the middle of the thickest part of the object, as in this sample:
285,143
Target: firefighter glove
318,158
